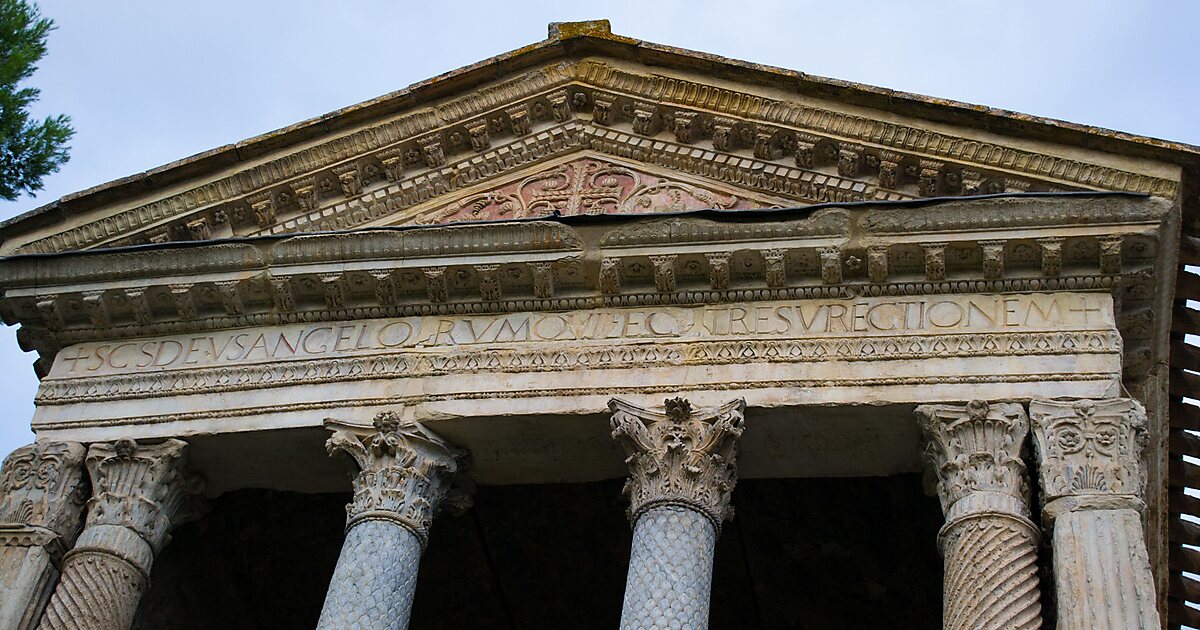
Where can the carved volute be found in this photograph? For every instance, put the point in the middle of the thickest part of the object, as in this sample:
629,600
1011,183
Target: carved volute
405,471
679,456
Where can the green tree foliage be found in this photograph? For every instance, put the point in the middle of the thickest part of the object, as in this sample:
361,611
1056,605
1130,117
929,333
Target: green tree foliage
29,149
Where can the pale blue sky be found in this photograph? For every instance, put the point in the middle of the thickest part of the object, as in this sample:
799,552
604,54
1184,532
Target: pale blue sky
149,82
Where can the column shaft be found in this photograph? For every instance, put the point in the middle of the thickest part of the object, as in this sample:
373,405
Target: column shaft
670,570
682,467
991,578
1102,571
375,579
139,493
1092,480
27,577
404,477
42,493
988,544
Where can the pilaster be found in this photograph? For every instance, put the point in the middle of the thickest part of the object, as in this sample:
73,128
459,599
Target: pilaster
140,492
42,494
682,470
975,453
404,477
1089,453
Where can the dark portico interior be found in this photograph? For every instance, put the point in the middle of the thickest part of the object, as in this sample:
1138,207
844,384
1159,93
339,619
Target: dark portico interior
800,553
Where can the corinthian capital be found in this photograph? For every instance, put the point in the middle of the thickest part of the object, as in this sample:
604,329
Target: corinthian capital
1090,450
404,475
144,487
42,493
976,449
679,456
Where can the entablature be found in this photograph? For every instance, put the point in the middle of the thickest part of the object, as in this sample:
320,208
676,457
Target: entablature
1025,243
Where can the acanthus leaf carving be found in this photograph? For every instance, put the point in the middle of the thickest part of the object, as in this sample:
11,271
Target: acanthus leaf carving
774,267
976,447
679,456
1090,447
42,488
831,264
718,270
404,473
144,487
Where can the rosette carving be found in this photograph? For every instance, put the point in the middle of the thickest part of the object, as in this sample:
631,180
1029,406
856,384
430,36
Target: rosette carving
1090,447
679,456
405,471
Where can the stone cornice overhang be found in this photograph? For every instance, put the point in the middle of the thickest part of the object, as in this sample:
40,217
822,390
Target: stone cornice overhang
575,41
1105,242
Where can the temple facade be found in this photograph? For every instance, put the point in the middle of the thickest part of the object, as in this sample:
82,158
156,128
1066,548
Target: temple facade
507,348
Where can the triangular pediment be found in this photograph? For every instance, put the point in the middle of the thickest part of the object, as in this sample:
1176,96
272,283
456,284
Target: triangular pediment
574,124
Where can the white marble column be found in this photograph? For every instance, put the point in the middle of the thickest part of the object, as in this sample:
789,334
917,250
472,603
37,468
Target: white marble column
682,470
404,476
140,492
988,544
42,493
1090,456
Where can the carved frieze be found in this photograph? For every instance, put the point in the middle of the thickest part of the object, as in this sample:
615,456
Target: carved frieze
404,472
679,456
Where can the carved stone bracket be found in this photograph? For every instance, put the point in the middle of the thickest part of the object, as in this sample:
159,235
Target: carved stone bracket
877,263
405,471
1051,249
718,270
679,456
664,272
935,261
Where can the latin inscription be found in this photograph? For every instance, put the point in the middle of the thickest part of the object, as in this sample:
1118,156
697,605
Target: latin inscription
784,320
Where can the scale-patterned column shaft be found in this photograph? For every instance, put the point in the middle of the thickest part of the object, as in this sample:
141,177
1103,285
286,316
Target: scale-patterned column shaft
98,591
27,577
375,579
404,476
670,570
991,575
1105,549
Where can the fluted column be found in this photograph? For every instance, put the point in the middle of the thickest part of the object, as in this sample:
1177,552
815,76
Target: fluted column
404,476
42,493
682,469
140,492
988,543
1090,456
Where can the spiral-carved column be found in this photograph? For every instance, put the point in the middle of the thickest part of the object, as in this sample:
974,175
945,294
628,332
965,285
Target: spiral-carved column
988,543
42,493
1089,452
140,492
404,476
682,469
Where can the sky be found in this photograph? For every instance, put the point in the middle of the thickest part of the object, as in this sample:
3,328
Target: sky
150,82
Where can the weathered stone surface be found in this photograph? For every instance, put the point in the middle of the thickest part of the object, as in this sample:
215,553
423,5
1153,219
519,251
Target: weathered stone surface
989,544
683,467
139,493
42,494
1090,457
404,475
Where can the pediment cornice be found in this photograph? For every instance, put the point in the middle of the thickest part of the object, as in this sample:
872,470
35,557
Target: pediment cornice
788,149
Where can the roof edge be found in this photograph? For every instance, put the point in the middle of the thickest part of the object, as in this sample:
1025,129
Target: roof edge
573,39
